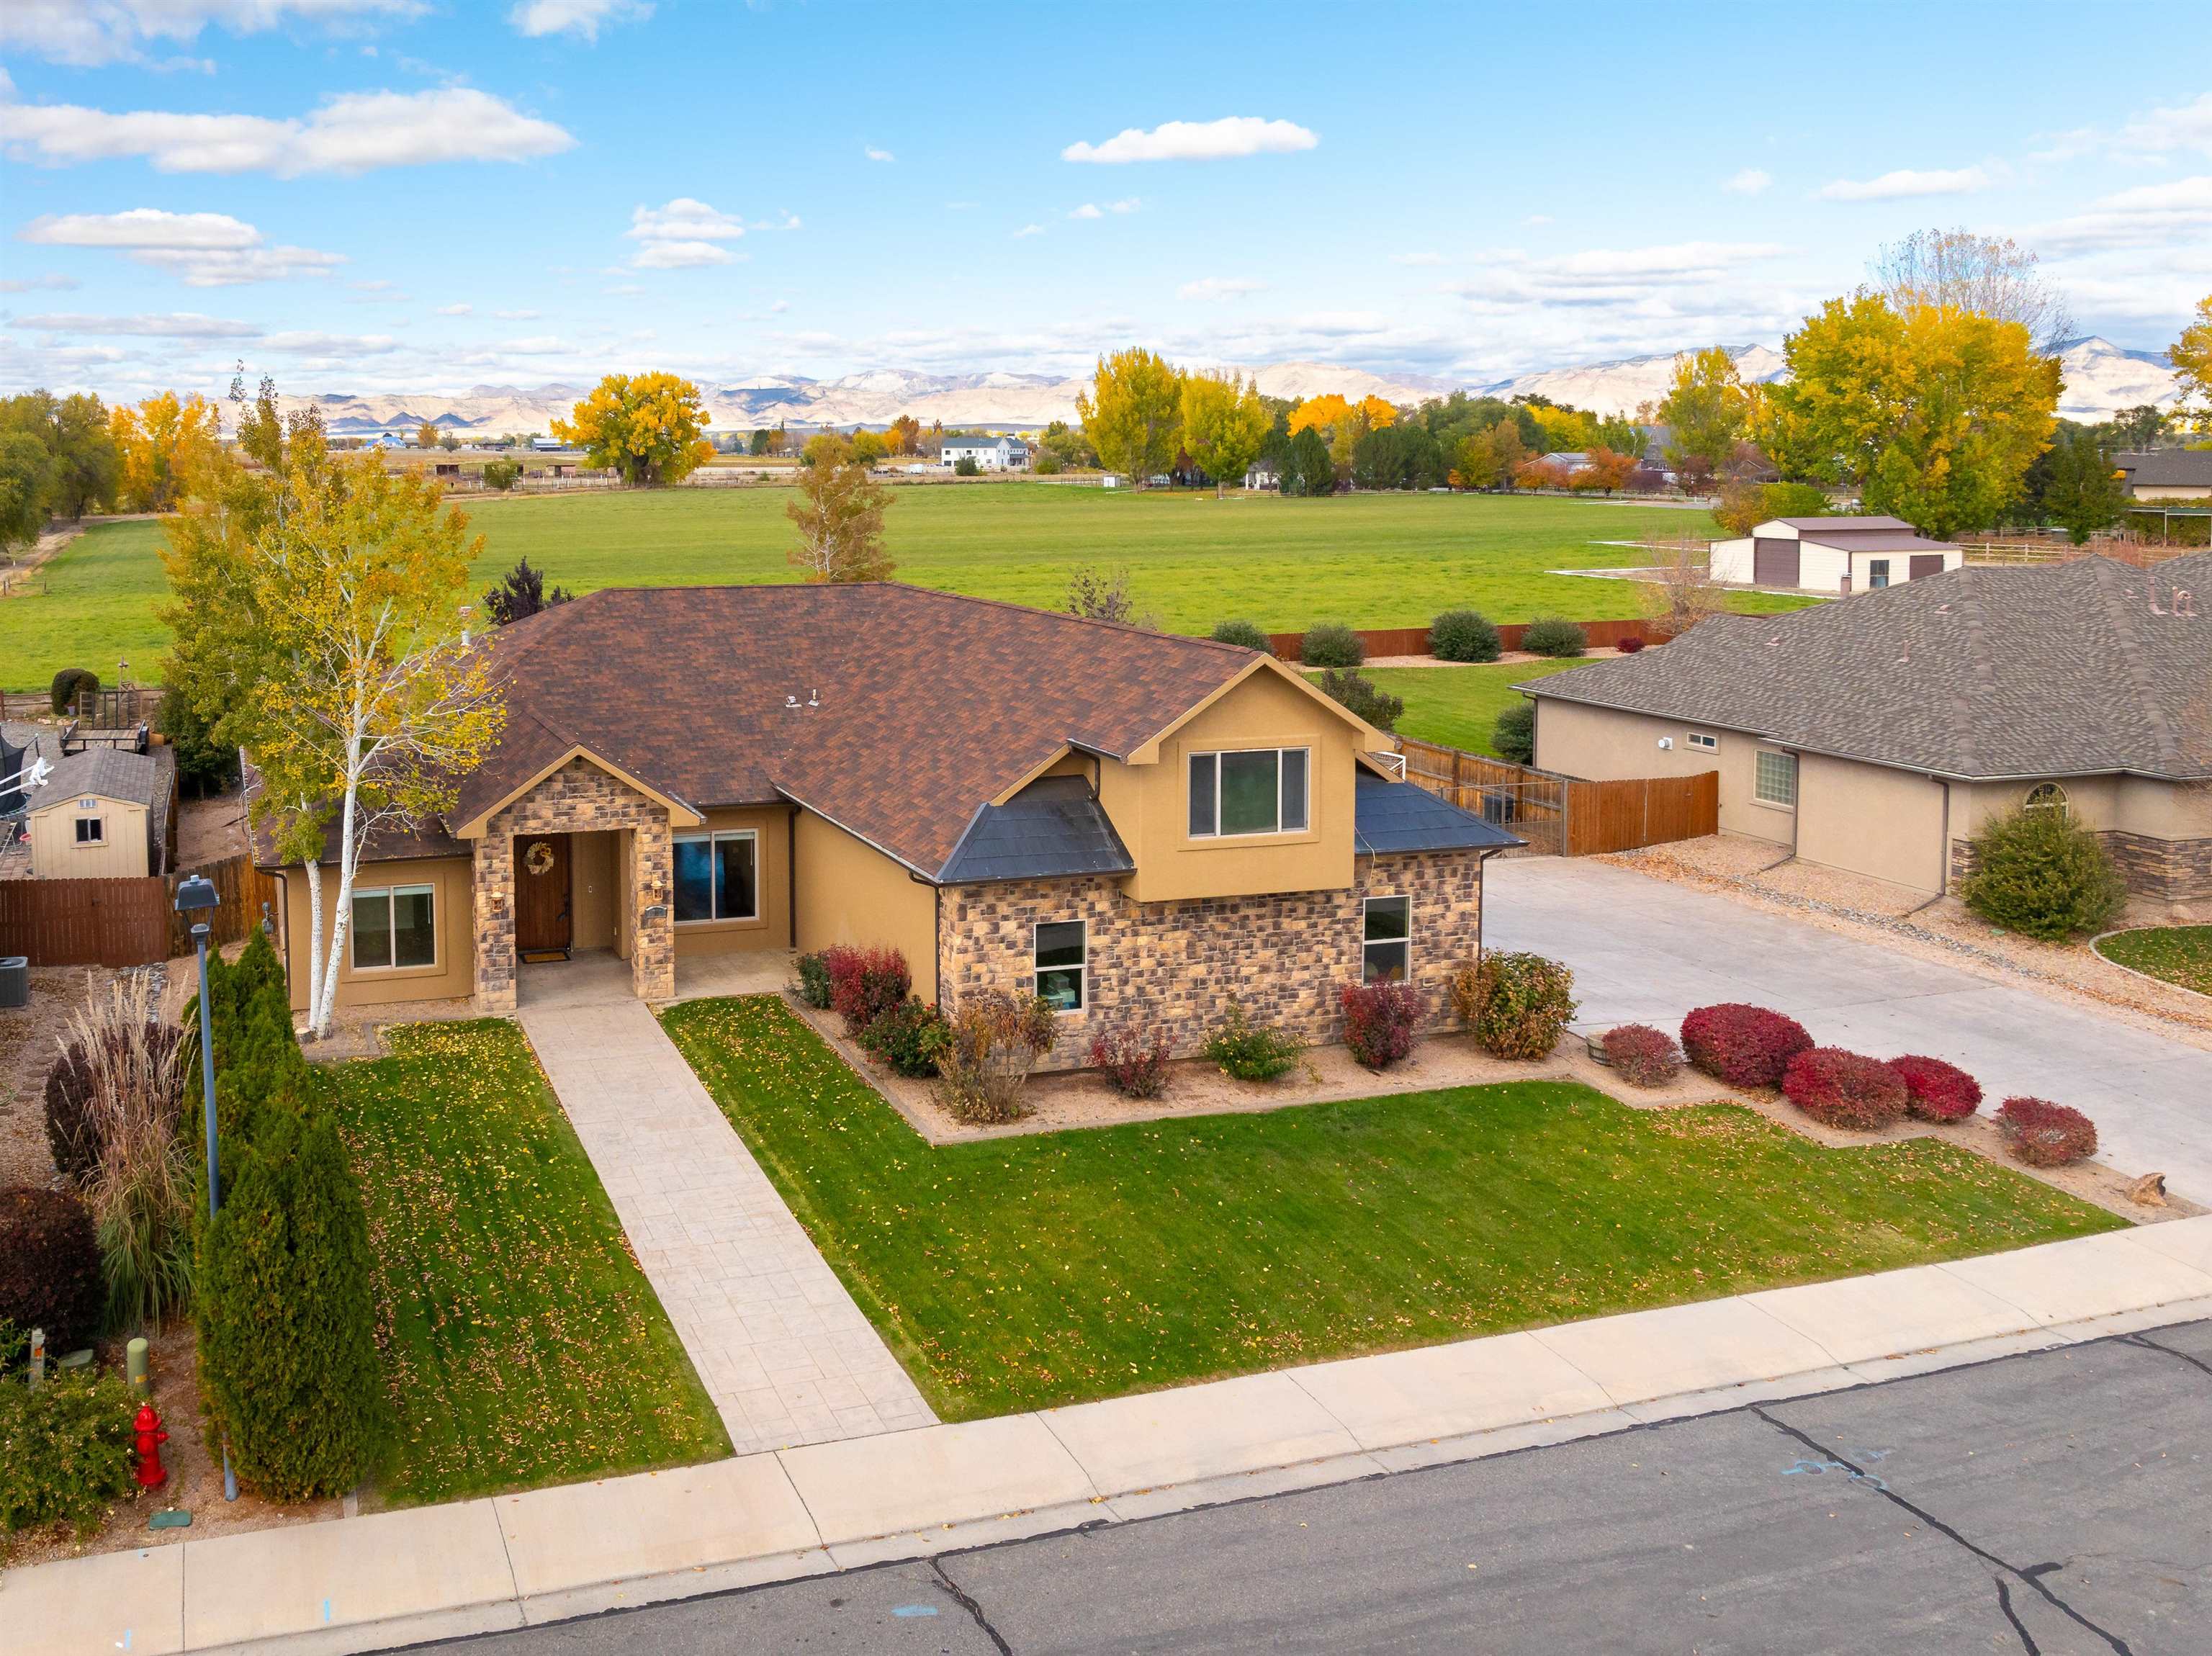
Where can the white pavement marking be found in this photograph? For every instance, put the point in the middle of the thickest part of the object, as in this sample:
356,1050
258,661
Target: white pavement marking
780,1345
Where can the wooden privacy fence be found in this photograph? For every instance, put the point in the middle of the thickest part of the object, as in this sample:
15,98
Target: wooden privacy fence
1564,816
1415,641
129,922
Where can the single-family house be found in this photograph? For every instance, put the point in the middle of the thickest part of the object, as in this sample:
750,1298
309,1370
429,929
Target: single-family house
1262,474
1136,826
1842,555
102,814
989,453
2167,474
1879,736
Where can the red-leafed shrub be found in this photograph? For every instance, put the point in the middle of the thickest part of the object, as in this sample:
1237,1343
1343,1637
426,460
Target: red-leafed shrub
2046,1135
1744,1046
1839,1088
1629,646
1136,1063
1381,1021
49,1268
866,982
1940,1091
1643,1055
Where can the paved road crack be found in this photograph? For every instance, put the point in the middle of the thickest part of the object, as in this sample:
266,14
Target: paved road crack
2151,1344
960,1596
2030,1575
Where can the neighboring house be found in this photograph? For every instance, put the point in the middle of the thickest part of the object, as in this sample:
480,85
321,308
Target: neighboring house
1832,554
104,814
2167,474
989,453
1262,474
1879,736
1135,825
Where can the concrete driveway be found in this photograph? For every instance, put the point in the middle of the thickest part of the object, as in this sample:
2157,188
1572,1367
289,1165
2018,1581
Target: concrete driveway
1645,951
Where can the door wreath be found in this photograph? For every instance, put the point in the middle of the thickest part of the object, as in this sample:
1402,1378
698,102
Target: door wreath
538,859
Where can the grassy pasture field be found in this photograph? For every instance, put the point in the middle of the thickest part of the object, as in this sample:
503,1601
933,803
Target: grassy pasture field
1367,560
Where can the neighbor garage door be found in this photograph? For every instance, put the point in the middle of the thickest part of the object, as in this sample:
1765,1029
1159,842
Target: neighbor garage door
1926,563
1773,562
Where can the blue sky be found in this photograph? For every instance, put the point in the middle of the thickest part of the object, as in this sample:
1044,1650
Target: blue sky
404,194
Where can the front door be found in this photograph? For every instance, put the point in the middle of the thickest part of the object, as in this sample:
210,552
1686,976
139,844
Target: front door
541,914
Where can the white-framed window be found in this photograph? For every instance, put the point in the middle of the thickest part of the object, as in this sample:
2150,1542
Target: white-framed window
717,876
1703,742
1249,791
1060,957
1386,939
1877,572
91,830
1774,778
394,926
2045,796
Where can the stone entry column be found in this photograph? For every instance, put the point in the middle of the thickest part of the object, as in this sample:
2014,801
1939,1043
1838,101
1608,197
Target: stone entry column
653,950
494,889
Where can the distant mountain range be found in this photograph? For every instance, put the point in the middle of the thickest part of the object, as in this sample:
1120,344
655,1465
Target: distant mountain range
2101,378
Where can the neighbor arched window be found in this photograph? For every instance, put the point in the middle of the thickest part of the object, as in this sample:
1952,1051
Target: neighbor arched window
2047,796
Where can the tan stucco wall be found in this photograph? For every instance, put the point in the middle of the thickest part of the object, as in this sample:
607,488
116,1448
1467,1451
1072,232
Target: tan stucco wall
123,855
1869,820
1602,745
1149,804
772,872
2127,804
851,892
451,974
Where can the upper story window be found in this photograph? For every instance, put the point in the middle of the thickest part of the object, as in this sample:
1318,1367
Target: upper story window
91,830
717,876
1251,791
1774,778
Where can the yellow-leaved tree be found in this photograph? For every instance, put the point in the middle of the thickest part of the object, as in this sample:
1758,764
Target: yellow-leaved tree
316,608
1132,413
1341,421
1705,411
650,428
839,512
2191,356
1224,425
164,443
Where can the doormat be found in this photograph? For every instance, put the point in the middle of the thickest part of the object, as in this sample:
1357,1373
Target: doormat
543,957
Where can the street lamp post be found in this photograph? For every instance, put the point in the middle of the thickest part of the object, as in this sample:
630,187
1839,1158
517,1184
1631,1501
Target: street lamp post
198,896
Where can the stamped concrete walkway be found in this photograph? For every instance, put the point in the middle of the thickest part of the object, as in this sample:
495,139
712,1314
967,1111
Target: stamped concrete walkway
782,1350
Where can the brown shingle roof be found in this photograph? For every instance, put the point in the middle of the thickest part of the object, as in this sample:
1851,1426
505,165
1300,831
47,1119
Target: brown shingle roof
930,704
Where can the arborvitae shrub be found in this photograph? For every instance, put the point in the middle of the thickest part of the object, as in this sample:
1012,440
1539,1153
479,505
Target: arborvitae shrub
2042,873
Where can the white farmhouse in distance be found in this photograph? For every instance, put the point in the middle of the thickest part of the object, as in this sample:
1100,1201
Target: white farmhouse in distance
1841,556
989,453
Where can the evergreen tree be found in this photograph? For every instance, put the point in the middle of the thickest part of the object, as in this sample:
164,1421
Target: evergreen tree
2079,489
521,595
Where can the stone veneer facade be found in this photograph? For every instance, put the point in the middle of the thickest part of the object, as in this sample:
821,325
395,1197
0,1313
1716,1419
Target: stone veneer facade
578,798
2176,871
1174,966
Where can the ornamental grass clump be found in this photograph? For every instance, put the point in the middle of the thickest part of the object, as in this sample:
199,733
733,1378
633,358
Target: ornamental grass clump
1247,1050
76,1074
2046,1135
1641,1055
1839,1088
996,1039
2040,873
1744,1046
1939,1091
1515,1005
1381,1021
1136,1063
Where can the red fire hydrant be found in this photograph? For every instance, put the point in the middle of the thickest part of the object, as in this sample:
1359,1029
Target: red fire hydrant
151,1473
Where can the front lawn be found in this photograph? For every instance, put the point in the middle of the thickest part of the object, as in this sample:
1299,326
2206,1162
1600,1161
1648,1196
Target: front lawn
1457,705
1029,1271
2180,954
521,1343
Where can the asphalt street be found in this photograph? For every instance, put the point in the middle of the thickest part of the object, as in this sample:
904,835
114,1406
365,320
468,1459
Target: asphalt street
2054,1503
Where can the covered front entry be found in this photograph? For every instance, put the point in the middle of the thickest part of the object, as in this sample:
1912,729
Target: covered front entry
544,898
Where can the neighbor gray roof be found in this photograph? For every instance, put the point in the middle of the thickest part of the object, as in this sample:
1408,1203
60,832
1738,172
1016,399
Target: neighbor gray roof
111,772
984,442
1053,827
1868,523
2068,670
2169,468
1870,533
1397,817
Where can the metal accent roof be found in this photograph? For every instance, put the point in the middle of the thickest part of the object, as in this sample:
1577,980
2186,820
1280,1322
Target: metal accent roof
1397,817
1052,828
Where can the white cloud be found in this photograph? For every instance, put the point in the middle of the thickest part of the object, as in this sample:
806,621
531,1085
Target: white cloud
538,17
680,255
876,154
517,316
203,249
1127,204
1906,183
1211,287
1088,211
2150,216
1195,140
962,206
1417,259
682,235
456,310
51,281
1539,218
2152,136
1749,182
1029,230
176,325
543,344
780,306
371,285
353,132
308,343
89,31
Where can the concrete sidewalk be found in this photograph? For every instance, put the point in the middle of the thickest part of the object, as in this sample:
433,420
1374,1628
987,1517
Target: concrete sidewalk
397,1578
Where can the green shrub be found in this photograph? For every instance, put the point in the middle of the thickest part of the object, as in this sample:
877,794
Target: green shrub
287,1320
814,981
1515,1005
965,466
1250,1051
1245,634
500,474
1362,696
63,693
1462,635
1555,636
50,1266
1048,465
2042,873
910,1037
66,1451
1331,644
1513,735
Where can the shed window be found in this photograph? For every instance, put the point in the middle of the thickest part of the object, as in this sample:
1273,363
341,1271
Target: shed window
394,926
1877,572
91,830
1060,952
1774,779
1386,939
1257,791
716,877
